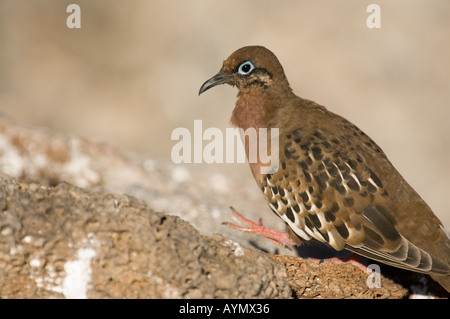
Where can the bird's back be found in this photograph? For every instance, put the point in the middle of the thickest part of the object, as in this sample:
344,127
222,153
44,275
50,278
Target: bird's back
337,186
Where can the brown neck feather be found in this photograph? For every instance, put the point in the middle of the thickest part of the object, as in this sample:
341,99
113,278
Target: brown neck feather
254,110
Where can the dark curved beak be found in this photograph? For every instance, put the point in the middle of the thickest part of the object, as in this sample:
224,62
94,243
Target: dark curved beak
219,78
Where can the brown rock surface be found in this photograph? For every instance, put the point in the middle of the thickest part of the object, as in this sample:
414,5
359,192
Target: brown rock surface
310,279
66,242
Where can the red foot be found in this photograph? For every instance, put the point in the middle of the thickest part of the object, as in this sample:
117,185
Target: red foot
352,259
257,228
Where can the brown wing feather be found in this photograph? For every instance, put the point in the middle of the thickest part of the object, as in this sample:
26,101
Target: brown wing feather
327,191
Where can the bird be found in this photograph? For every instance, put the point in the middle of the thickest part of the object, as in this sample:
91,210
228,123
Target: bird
334,184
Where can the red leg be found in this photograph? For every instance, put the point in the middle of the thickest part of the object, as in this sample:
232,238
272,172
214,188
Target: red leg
279,238
352,259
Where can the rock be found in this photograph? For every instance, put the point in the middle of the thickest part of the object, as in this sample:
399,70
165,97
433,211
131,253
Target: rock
64,241
199,194
310,279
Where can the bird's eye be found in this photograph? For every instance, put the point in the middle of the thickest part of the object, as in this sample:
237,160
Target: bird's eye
245,68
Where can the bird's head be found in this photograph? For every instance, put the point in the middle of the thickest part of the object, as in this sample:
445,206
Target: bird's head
251,67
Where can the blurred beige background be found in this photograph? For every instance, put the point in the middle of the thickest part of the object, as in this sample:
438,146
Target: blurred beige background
131,74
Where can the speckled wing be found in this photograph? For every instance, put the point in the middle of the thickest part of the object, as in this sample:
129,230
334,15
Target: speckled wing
327,189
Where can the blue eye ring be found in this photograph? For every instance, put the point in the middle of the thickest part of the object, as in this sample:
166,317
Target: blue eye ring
246,68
